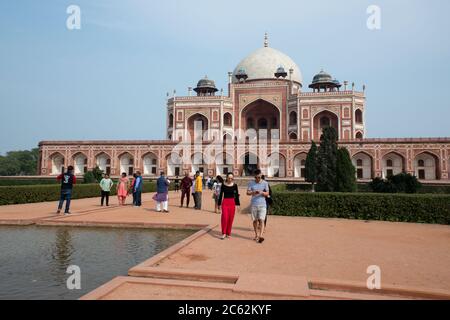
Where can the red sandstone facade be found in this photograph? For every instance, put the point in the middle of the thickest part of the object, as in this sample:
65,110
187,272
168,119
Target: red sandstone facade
261,96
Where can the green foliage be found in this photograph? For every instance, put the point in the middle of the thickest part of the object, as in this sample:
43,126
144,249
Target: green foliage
326,161
42,193
89,177
19,163
98,173
436,189
365,206
361,188
311,164
95,175
345,172
400,183
27,182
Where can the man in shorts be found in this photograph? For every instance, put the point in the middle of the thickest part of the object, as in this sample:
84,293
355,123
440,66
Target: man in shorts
259,190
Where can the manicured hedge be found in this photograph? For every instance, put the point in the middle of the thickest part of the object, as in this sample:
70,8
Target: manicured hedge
42,193
27,182
364,206
364,188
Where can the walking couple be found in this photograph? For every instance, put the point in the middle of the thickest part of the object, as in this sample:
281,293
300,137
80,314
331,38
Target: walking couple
228,201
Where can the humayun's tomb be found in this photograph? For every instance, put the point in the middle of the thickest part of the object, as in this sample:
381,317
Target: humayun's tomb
265,91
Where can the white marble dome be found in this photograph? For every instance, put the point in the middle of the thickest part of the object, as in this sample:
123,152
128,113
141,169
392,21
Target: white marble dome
264,62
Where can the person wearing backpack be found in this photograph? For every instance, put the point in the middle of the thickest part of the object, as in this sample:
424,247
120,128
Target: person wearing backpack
67,179
269,201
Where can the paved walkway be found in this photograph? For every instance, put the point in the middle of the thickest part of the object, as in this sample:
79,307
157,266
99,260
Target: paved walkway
298,256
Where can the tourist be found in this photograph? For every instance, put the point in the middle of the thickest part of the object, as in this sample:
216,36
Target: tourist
258,189
228,200
203,179
122,189
216,192
211,183
131,188
193,190
208,182
137,189
105,185
177,184
186,184
198,191
269,202
162,193
68,179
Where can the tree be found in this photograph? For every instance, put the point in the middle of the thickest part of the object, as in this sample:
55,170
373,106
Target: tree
345,172
311,166
98,173
95,175
19,163
326,161
89,177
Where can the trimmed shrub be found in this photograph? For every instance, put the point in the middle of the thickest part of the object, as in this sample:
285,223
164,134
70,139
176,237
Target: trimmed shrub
89,178
42,193
436,189
364,206
361,188
27,182
403,182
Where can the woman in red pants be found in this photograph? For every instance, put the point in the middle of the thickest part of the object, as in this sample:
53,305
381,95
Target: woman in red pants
228,201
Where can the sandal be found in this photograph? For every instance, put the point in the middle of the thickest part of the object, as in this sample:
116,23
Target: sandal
261,240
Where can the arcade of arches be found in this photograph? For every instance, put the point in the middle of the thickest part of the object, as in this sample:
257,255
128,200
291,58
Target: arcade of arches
426,166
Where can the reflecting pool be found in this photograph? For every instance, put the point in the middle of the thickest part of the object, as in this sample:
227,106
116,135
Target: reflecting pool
34,260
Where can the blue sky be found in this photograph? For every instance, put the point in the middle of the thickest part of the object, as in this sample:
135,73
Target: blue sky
109,79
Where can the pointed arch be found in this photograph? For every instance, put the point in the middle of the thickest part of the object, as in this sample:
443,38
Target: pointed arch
126,163
198,122
224,163
260,114
80,163
359,116
103,161
56,163
150,163
323,119
392,163
300,165
363,163
427,166
277,165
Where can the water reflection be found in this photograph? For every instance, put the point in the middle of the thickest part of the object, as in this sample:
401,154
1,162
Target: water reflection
38,269
61,254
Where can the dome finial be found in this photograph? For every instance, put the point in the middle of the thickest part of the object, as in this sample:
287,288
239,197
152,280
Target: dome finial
266,40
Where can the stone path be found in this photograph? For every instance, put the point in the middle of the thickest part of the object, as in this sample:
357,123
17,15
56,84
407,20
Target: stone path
302,258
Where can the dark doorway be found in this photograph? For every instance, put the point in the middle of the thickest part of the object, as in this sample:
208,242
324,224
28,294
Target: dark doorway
250,164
